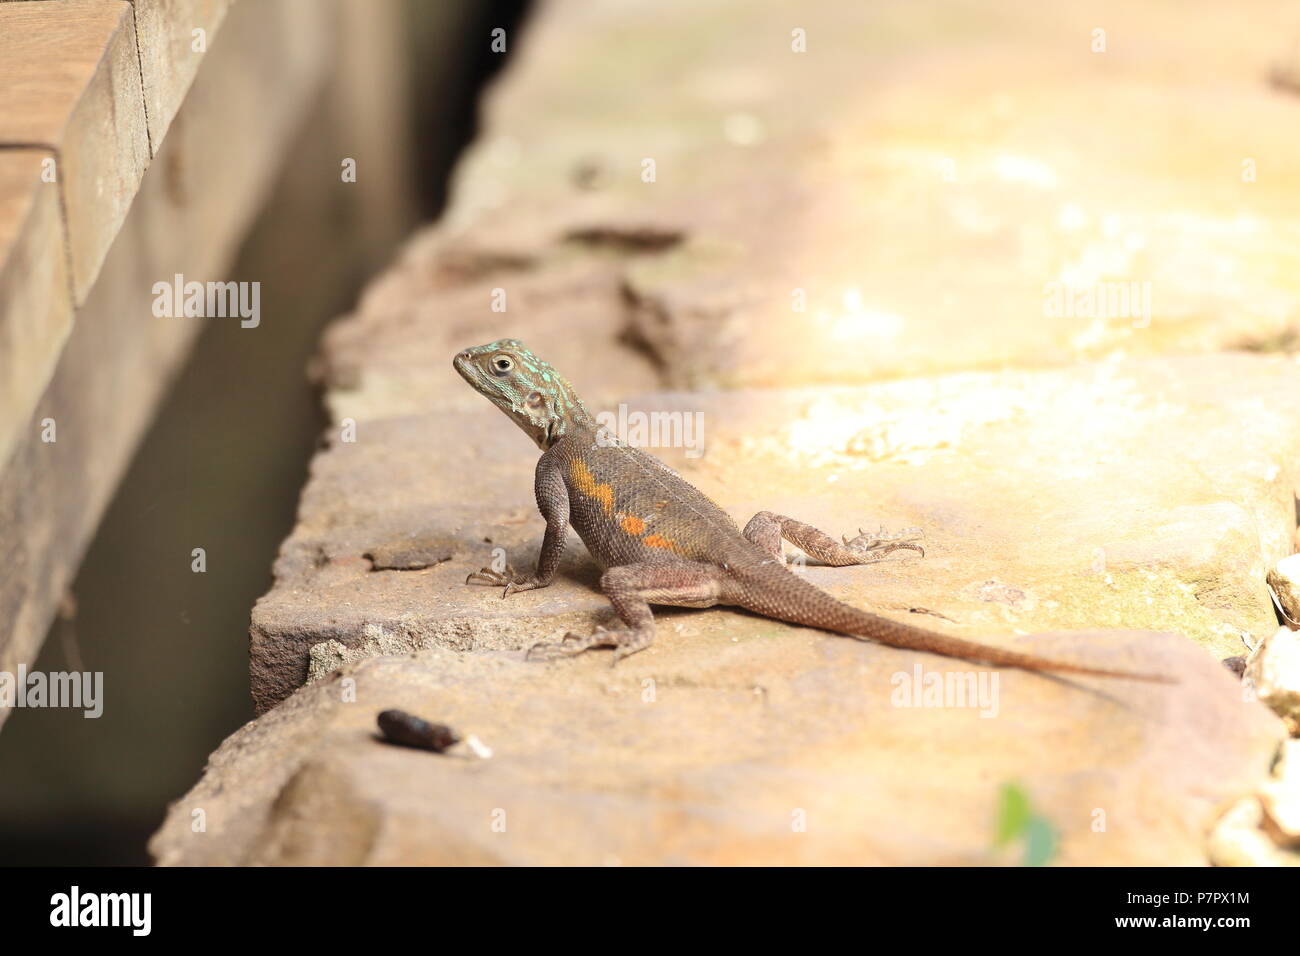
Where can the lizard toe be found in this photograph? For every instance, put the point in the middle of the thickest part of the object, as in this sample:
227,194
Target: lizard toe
491,577
544,652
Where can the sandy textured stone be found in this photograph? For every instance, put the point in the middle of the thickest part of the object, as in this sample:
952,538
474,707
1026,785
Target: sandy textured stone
1273,671
393,355
1280,798
1284,579
929,177
733,743
1263,829
1238,839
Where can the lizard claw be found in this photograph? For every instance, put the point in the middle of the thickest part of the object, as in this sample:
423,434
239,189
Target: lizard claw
624,643
510,580
542,652
491,576
514,587
629,643
873,547
570,644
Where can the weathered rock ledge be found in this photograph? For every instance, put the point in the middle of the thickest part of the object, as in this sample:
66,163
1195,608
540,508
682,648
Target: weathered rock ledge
735,741
1115,488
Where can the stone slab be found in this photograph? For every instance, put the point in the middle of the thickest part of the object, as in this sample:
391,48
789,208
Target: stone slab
774,747
1151,494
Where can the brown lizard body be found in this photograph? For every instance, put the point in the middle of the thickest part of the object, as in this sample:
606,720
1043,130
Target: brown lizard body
663,541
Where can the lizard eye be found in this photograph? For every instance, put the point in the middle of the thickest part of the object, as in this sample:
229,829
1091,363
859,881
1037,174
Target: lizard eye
502,365
534,399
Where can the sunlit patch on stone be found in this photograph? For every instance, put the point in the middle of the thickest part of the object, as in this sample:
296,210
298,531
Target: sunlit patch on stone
1025,170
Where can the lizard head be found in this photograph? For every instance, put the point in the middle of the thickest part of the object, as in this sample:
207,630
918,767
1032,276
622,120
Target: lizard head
535,396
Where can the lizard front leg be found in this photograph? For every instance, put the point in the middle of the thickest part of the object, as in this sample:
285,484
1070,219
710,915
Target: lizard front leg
632,588
766,530
553,503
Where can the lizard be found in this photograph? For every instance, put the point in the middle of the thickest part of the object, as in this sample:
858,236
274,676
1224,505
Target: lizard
662,541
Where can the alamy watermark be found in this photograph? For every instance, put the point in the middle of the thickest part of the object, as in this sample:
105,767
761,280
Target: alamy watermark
81,690
653,429
209,300
977,690
133,911
1100,300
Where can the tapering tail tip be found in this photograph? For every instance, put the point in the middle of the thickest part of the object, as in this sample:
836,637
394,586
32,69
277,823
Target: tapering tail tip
994,656
813,607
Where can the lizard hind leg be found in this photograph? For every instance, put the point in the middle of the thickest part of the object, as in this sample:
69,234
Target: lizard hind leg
632,588
766,530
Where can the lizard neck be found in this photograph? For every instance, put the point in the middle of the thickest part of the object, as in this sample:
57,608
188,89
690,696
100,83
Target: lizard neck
576,423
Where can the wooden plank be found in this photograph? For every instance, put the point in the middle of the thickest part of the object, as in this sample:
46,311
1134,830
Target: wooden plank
70,82
35,300
170,53
170,50
53,100
193,210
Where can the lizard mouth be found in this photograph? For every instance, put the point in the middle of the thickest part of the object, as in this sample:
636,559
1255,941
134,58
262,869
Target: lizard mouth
463,364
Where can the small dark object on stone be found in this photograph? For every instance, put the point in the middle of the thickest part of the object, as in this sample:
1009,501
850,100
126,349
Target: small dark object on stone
399,727
1235,664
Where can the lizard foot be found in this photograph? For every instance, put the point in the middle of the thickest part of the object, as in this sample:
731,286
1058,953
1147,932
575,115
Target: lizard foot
874,547
510,579
624,642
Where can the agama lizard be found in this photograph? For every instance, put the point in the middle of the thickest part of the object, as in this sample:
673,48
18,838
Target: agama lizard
661,541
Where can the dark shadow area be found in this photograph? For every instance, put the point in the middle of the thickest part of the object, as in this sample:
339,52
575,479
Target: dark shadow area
445,123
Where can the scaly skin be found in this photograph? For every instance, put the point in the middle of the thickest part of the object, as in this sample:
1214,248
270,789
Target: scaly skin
662,541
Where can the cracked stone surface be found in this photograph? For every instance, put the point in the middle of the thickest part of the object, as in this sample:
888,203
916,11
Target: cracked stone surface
1113,488
732,744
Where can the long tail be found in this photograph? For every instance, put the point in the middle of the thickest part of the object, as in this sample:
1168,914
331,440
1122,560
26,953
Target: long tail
778,593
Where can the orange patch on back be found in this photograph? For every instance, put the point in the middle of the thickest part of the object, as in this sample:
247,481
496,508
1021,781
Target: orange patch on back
633,525
658,541
588,487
